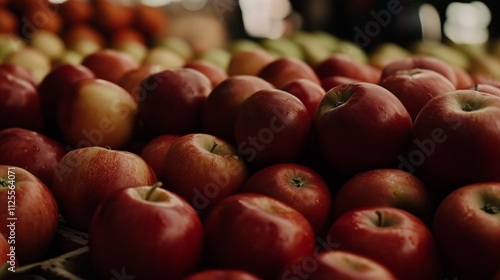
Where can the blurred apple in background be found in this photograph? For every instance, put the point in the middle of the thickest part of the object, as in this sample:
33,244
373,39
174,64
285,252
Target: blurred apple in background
111,15
48,43
223,102
213,72
19,72
164,57
9,23
76,11
85,176
84,39
330,82
249,62
35,61
131,81
487,88
284,70
109,64
343,65
97,113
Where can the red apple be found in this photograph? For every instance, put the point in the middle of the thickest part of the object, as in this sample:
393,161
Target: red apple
309,92
110,64
96,112
32,151
19,72
283,70
154,152
298,186
455,140
151,21
111,15
131,80
7,256
333,81
464,79
385,187
422,62
487,88
30,213
272,126
415,87
56,84
19,103
467,226
159,234
338,265
9,23
76,12
173,101
352,141
256,233
393,237
222,274
343,65
203,169
85,176
213,72
221,106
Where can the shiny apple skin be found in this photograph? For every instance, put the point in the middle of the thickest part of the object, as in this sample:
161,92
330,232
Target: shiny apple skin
222,274
281,71
343,65
155,150
309,92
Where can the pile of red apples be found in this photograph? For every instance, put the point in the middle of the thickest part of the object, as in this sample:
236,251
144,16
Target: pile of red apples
271,167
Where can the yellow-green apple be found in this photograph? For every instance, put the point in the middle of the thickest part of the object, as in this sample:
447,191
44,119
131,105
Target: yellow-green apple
84,39
256,233
96,112
213,72
203,169
249,62
455,140
272,126
415,87
155,150
283,70
35,61
297,185
177,44
48,43
164,57
221,106
85,176
343,65
57,83
173,101
338,265
168,242
422,62
30,214
466,227
309,92
109,64
385,187
226,274
31,151
19,103
369,140
393,237
133,48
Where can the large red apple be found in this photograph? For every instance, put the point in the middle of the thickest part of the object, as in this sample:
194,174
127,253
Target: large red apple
32,151
309,92
173,101
338,265
361,126
467,226
272,126
415,87
385,187
456,140
85,176
256,233
30,214
391,236
221,107
298,186
203,169
97,113
222,274
147,231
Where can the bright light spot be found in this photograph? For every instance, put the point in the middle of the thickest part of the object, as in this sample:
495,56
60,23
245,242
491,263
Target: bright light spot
467,22
264,18
430,22
157,3
194,5
57,1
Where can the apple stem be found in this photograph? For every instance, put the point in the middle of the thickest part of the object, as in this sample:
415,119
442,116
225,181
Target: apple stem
213,147
380,218
152,190
3,183
490,209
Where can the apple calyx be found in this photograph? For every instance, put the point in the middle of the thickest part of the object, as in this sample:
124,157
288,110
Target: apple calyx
297,182
152,190
468,107
490,209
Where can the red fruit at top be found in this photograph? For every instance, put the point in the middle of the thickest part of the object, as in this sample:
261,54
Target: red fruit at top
284,70
343,65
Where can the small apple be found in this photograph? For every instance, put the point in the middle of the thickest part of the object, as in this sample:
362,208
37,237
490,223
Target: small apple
309,92
109,64
168,59
249,62
33,60
283,70
30,213
85,176
393,237
76,12
213,72
351,141
155,150
345,66
131,80
298,186
203,169
160,234
466,227
272,126
256,233
112,16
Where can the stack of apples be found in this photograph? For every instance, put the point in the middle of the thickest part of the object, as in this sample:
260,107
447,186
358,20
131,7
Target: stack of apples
315,163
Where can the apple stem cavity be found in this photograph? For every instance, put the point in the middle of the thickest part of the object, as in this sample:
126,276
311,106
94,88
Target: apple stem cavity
380,219
297,182
152,190
213,147
490,209
468,107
